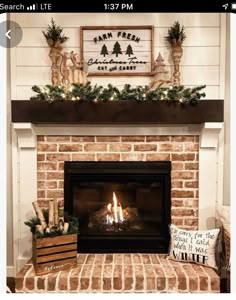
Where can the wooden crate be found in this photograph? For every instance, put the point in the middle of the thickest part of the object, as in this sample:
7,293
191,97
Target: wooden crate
53,254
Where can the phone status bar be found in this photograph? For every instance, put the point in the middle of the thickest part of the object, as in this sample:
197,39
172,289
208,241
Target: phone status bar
128,6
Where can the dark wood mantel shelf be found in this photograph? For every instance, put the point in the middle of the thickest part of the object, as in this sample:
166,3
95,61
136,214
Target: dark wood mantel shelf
120,112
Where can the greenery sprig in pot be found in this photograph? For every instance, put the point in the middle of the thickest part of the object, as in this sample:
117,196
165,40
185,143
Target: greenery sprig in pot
54,35
176,36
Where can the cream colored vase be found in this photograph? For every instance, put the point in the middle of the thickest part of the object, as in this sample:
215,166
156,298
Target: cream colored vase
177,53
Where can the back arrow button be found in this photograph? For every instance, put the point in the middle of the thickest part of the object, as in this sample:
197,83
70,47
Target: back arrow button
10,34
7,34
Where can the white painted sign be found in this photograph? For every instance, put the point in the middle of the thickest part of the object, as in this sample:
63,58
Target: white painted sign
123,50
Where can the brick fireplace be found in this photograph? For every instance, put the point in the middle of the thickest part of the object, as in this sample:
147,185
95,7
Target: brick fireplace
182,151
39,153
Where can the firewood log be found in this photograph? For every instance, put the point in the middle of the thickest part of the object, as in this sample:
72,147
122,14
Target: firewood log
51,214
39,228
55,212
66,228
39,214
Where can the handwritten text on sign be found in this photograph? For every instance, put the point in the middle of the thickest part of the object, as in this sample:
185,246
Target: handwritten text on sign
194,246
117,50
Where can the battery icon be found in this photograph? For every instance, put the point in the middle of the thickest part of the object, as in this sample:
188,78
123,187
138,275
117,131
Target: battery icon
233,6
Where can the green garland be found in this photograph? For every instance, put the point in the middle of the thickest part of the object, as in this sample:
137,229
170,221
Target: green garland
78,92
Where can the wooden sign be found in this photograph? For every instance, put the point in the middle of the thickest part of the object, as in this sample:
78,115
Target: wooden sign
113,50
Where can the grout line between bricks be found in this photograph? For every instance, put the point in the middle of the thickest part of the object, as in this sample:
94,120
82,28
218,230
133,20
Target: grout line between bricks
81,271
91,274
57,281
144,274
134,276
112,272
176,277
25,277
68,280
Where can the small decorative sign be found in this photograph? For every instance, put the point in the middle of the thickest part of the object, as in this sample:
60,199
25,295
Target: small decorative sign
193,246
123,50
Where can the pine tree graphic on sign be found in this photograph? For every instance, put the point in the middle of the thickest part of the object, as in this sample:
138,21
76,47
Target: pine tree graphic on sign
116,49
129,50
104,51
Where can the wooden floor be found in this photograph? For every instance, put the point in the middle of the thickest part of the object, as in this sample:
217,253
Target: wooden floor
11,284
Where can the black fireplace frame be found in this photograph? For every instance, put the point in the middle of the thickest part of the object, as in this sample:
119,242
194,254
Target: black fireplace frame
159,170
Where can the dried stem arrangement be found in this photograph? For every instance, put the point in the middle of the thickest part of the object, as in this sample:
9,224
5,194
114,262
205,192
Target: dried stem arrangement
48,223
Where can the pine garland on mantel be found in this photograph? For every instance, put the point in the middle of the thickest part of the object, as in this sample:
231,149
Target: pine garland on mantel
78,92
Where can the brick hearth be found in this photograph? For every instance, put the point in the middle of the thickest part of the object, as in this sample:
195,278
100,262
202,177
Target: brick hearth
149,273
181,150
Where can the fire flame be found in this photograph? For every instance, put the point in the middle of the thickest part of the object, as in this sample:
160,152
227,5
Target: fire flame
115,213
109,207
115,208
121,214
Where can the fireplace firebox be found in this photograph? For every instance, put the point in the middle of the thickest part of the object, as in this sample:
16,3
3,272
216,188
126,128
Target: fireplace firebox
121,206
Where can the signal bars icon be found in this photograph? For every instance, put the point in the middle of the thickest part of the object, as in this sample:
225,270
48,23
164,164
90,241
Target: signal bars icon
31,7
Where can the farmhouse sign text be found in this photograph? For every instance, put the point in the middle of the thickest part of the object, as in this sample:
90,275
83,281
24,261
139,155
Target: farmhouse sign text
125,50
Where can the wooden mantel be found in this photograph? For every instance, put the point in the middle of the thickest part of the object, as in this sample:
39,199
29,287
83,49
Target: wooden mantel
120,112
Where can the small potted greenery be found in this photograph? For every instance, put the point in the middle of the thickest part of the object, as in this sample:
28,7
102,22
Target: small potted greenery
176,36
54,35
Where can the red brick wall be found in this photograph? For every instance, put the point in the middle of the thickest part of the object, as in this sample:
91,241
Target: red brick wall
183,151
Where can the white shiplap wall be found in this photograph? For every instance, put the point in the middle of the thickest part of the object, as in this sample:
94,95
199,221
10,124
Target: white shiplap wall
202,60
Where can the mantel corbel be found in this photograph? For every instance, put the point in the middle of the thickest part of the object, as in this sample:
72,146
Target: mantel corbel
209,134
26,134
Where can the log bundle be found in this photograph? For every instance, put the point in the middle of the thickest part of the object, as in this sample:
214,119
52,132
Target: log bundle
54,221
